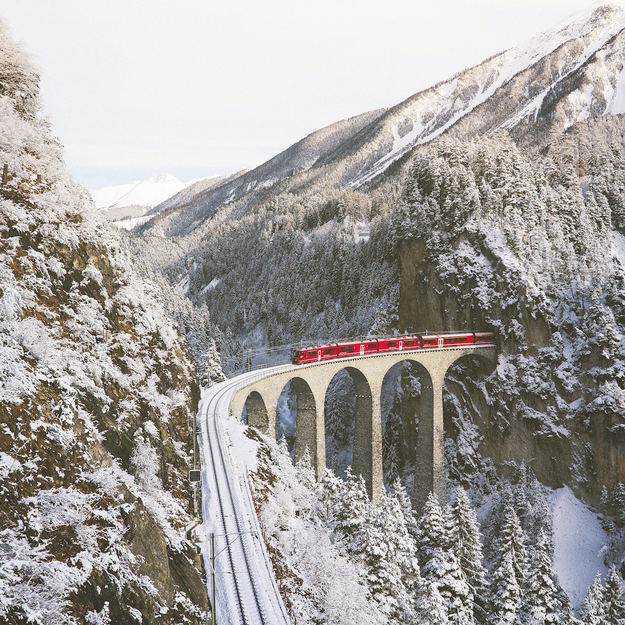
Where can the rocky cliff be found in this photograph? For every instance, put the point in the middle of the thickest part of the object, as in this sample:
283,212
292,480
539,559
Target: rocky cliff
490,236
97,397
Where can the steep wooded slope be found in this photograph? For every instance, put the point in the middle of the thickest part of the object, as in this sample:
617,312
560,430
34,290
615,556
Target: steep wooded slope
97,394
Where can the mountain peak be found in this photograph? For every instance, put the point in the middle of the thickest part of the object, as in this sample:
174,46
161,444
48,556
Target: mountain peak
147,193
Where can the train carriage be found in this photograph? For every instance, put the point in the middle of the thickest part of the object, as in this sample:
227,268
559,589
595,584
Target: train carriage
389,345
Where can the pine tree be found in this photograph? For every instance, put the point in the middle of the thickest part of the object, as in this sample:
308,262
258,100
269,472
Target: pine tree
593,608
305,471
466,545
392,571
512,540
431,606
617,503
440,565
541,606
613,598
329,490
505,593
352,511
406,507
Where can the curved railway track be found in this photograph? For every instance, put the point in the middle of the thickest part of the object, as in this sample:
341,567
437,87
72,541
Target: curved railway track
247,592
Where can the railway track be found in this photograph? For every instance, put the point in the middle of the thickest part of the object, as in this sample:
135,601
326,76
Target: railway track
247,592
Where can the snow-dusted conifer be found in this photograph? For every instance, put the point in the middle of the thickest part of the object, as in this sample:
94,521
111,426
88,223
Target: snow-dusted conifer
512,541
613,598
617,503
305,471
439,563
593,608
541,605
392,573
431,606
329,490
465,543
406,507
505,593
352,510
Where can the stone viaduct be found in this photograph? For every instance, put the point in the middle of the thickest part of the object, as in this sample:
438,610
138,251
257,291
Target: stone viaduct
310,383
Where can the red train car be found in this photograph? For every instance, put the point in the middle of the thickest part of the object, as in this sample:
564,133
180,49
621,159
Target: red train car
395,344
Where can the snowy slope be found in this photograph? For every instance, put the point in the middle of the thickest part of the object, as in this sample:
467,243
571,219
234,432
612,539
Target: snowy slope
579,543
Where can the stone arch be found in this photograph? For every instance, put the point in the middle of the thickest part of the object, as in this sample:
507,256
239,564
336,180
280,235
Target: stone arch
363,456
306,422
286,413
256,411
296,418
407,425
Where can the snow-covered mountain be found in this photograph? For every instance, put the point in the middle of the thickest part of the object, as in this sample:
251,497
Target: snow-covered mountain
127,204
149,192
535,90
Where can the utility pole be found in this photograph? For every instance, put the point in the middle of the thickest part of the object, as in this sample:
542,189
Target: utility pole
212,560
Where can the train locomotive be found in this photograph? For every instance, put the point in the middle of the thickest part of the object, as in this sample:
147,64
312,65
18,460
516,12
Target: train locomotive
395,344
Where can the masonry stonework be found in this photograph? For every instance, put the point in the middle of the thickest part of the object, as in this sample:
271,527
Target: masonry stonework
311,382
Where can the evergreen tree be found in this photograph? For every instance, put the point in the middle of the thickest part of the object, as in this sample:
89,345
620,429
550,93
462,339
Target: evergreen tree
305,471
406,507
392,570
329,490
512,540
541,605
593,608
617,503
431,606
466,545
352,511
440,565
505,592
614,605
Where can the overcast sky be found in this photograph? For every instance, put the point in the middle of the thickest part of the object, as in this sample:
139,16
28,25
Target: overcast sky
200,87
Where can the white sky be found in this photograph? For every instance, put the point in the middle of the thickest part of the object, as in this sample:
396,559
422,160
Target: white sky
199,87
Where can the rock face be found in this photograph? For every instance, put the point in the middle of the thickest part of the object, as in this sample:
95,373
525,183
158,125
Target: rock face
490,236
97,397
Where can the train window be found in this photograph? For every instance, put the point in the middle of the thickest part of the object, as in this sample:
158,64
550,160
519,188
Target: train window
328,351
392,343
347,349
312,354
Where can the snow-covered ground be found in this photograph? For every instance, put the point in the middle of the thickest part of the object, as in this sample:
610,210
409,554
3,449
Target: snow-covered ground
579,541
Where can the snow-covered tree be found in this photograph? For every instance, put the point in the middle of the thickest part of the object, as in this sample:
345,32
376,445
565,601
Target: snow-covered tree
406,507
439,564
614,606
467,547
541,602
505,593
593,608
392,570
431,606
512,541
352,511
329,490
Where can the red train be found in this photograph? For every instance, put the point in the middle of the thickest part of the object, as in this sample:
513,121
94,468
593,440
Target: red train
397,344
